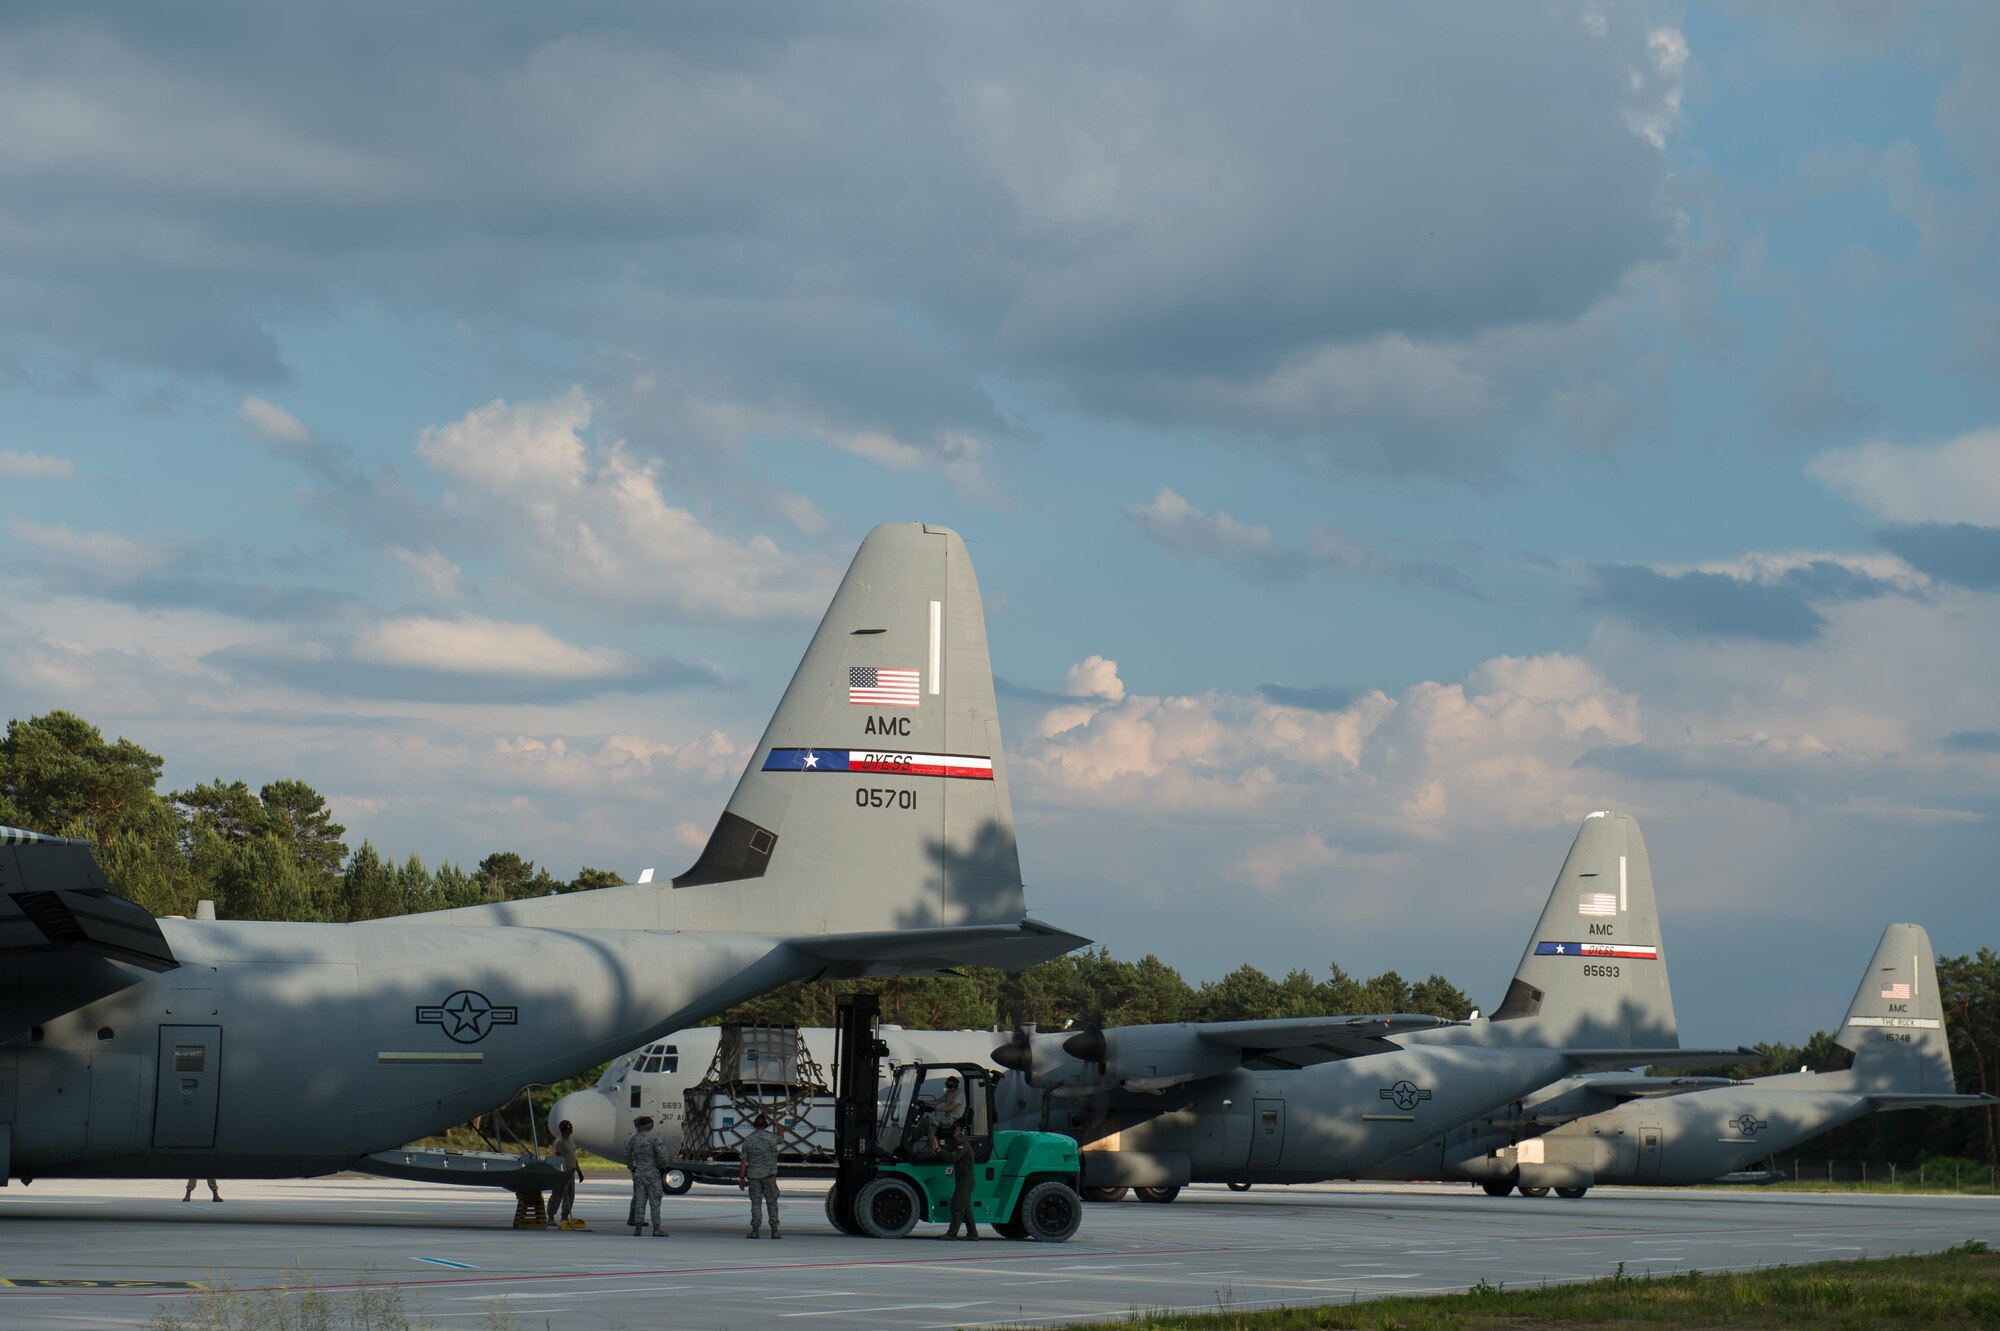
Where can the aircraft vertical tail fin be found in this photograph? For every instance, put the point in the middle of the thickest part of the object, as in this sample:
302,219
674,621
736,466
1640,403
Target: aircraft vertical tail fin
874,813
877,797
1893,1038
1595,971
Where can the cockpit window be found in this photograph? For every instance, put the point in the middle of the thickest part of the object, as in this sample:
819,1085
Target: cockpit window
670,1058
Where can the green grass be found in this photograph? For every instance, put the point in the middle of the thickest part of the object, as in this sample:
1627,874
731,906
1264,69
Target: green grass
1958,1288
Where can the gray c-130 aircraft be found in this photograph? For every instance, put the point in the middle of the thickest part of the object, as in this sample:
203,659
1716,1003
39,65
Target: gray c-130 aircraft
1891,1053
1303,1099
871,834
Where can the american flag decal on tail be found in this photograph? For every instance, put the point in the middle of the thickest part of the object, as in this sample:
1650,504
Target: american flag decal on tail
1897,992
881,686
1594,951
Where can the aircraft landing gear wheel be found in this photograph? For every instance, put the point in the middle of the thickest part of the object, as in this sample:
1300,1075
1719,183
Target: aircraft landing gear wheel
844,1223
887,1208
1497,1189
1160,1195
1239,1187
1050,1212
1105,1194
1534,1192
675,1182
1571,1193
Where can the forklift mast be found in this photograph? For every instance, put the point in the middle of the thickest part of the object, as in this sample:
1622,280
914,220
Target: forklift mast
857,1070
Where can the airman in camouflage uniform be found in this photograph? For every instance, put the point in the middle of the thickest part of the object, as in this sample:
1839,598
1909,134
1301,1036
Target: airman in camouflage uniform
646,1158
757,1170
958,1151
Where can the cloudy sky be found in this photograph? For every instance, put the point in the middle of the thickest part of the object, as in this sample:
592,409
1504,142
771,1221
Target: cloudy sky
1385,434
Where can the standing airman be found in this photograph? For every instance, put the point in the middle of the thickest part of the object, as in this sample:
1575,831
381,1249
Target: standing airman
958,1150
562,1198
757,1170
646,1158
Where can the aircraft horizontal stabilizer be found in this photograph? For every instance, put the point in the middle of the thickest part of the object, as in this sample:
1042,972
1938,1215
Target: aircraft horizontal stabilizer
935,951
54,898
1653,1088
1293,1042
1921,1100
1671,1058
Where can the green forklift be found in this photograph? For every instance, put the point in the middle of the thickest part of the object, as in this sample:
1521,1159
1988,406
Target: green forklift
887,1179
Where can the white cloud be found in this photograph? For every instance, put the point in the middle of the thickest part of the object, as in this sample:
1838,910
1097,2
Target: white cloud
1770,567
1169,520
1955,481
591,522
558,763
1253,552
1661,78
439,576
1094,677
273,424
1497,749
35,466
470,645
959,456
100,552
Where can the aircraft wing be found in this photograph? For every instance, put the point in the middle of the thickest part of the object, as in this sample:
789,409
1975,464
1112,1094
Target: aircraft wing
1296,1042
53,898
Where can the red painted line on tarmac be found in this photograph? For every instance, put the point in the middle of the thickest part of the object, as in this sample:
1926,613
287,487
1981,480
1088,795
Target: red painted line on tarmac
1674,1233
497,1278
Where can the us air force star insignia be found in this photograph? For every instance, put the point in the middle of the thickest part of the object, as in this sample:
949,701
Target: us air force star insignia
1748,1123
468,1017
1407,1094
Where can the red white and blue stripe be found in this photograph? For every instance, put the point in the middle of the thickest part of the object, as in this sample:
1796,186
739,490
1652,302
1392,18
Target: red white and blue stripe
1631,951
959,765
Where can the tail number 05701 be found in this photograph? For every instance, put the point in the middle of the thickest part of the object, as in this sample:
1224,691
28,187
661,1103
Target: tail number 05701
875,797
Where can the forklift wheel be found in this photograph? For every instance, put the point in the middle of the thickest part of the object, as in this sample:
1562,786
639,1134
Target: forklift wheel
887,1208
1239,1187
1105,1194
675,1182
1571,1193
1161,1195
1050,1212
1534,1192
833,1216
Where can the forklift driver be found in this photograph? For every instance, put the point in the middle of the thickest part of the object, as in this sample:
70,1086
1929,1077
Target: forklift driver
943,1112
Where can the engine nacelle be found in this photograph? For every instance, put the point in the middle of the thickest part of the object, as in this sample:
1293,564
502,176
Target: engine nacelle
1131,1058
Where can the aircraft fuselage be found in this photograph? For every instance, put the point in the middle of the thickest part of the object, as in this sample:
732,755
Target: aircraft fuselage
292,1049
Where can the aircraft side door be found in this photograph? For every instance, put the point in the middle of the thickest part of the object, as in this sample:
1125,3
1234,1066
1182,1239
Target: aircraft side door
1267,1133
190,1083
1651,1141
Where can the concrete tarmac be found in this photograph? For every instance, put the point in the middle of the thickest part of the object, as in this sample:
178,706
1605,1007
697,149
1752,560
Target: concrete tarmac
115,1251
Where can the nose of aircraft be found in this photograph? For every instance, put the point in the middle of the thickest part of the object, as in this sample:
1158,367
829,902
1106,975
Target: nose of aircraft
591,1115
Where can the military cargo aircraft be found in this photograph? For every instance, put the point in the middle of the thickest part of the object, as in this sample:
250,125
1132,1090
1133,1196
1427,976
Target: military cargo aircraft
1891,1053
1303,1099
871,834
1290,1100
